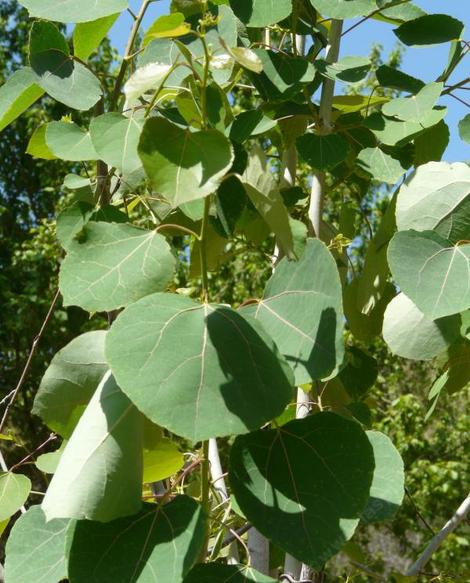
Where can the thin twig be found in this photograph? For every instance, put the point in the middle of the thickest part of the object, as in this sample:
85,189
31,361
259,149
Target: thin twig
418,513
374,13
32,352
439,538
51,437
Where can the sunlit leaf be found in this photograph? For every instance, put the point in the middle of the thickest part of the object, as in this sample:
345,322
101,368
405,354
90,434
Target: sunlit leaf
14,491
87,36
302,310
18,93
72,11
260,13
114,265
225,377
36,550
99,476
68,141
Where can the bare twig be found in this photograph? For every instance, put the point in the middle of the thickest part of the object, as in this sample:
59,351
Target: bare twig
439,538
51,437
27,366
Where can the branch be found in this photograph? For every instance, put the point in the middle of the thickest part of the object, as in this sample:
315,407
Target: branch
27,366
439,538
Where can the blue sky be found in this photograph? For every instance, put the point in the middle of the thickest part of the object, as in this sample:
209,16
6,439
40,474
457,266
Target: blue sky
425,63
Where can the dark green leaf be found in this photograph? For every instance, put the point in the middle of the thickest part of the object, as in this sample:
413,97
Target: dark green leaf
305,484
343,9
349,69
359,374
166,541
99,476
64,79
302,310
36,550
464,128
323,152
431,144
183,165
248,124
218,573
429,30
395,79
226,376
113,265
393,132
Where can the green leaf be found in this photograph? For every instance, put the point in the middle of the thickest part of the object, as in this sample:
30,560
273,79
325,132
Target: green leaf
37,146
87,36
14,491
36,550
431,144
113,266
395,79
283,75
429,30
302,310
416,107
400,13
348,69
226,377
99,476
436,197
388,484
304,485
183,165
247,58
162,461
410,334
168,25
48,462
248,124
392,132
218,573
261,13
431,271
115,138
64,79
71,11
323,152
352,103
164,51
70,381
264,194
71,220
464,128
343,9
359,374
68,141
18,93
381,166
166,541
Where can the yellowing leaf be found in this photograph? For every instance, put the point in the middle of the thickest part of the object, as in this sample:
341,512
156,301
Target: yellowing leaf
162,461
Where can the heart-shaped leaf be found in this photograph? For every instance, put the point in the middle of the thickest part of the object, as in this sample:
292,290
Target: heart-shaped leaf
114,266
302,310
410,334
183,165
431,271
166,541
200,371
70,381
304,485
71,11
36,549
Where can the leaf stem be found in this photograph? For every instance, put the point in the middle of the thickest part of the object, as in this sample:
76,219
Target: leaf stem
203,250
128,52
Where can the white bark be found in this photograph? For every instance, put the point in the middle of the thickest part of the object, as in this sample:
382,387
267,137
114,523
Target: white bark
439,538
258,547
218,480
